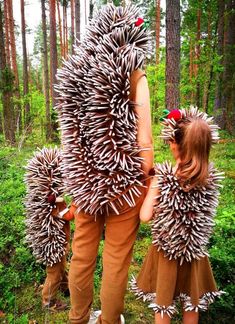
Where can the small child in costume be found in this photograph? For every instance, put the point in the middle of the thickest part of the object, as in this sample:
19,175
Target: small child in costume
47,222
181,202
56,274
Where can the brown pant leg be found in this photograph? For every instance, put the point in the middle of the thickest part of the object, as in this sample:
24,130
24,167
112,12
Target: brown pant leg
55,274
85,248
120,236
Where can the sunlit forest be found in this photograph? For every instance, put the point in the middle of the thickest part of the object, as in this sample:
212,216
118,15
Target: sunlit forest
191,61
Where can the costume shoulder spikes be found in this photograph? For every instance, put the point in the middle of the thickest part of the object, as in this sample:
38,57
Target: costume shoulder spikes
97,119
44,233
183,220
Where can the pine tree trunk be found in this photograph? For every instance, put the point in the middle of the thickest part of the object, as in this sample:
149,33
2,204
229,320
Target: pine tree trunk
158,24
191,67
77,19
218,108
91,10
45,71
72,25
172,54
53,50
209,66
228,85
65,30
60,30
6,92
17,112
198,52
6,19
25,68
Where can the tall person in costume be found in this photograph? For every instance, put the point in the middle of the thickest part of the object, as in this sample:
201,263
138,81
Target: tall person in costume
105,122
181,202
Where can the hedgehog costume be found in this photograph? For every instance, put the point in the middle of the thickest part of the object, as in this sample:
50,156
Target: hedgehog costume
102,162
47,235
177,266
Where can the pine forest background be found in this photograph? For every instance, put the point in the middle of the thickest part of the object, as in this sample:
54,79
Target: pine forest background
191,62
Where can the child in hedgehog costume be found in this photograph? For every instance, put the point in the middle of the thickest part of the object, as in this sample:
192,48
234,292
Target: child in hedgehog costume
47,222
105,122
181,200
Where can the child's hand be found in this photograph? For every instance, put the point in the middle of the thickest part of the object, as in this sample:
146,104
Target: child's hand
61,211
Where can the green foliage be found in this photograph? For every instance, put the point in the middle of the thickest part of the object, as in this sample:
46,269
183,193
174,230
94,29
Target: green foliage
17,265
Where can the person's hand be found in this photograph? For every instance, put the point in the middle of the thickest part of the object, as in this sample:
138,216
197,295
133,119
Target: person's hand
61,211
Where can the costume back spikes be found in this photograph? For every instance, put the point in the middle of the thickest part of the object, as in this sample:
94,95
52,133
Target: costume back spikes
184,219
44,233
97,120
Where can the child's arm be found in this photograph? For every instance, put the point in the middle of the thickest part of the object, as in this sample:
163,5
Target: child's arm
146,211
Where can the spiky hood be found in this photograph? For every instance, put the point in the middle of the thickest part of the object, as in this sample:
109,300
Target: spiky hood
44,233
97,119
170,125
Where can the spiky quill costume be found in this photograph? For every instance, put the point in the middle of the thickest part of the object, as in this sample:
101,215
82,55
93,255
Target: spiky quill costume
98,123
44,233
176,266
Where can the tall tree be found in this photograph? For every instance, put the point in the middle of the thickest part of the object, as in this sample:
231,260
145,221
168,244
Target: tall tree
172,54
228,84
6,20
158,24
25,68
72,24
6,87
197,53
65,27
218,108
60,29
77,19
45,71
53,50
91,10
17,114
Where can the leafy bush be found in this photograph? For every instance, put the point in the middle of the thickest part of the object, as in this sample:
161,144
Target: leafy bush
17,265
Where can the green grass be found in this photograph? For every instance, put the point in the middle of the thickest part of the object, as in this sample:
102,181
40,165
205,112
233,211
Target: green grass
21,276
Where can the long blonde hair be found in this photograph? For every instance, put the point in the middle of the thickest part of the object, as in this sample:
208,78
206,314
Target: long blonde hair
194,140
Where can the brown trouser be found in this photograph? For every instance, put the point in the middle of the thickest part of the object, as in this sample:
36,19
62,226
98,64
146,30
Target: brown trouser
120,235
56,275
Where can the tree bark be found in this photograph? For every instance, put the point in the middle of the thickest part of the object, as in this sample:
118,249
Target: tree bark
218,108
6,81
6,19
172,54
72,25
77,19
60,29
17,110
65,30
228,84
91,10
25,68
53,50
198,51
45,71
12,42
158,24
